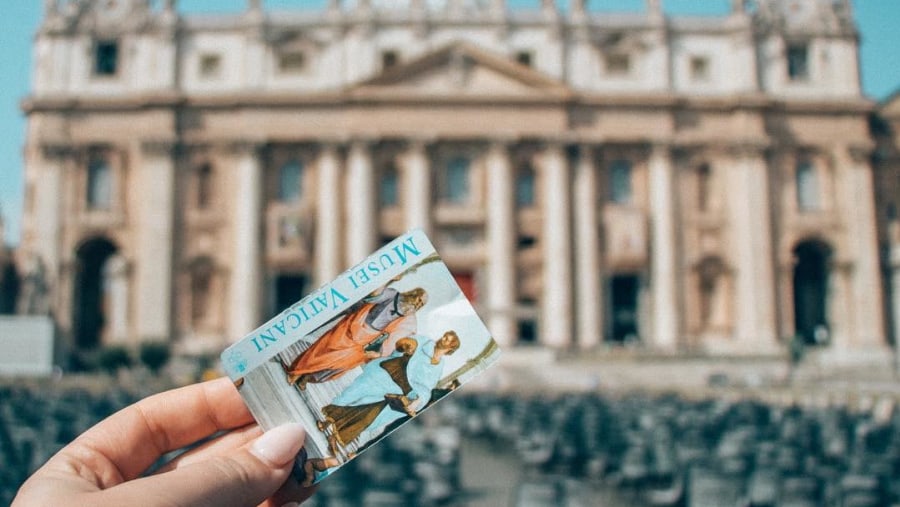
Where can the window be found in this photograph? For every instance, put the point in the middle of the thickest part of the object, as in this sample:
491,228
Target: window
524,58
526,242
99,184
201,282
525,187
456,189
699,68
204,186
798,62
709,273
389,59
106,58
618,64
388,187
293,62
704,187
210,66
620,182
290,181
807,186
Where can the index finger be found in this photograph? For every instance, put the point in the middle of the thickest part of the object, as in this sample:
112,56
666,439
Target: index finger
135,437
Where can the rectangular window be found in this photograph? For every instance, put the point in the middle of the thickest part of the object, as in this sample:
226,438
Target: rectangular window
106,58
388,191
210,66
203,186
798,62
525,187
704,187
389,59
524,58
290,182
618,64
620,182
456,188
99,184
293,62
807,187
699,68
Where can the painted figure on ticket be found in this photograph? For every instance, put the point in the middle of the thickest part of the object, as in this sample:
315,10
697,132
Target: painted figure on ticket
359,337
388,389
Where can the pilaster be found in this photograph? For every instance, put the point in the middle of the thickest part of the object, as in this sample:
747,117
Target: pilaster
755,317
155,176
853,167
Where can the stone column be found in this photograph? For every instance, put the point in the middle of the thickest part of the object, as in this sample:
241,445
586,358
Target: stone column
664,268
556,307
328,216
853,168
752,239
155,176
246,265
588,291
416,198
501,267
360,199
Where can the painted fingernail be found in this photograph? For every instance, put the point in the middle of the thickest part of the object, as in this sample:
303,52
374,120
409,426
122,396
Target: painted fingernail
279,445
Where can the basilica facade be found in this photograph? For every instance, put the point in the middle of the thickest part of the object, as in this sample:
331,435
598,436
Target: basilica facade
593,179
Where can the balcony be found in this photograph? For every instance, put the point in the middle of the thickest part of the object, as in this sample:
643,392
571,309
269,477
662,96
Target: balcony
289,231
625,241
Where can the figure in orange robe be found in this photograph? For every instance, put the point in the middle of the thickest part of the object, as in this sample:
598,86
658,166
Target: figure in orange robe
359,337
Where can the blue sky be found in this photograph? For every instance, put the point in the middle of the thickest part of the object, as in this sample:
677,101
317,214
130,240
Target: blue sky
878,22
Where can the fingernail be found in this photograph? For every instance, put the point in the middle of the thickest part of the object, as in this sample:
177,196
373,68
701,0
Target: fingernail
279,445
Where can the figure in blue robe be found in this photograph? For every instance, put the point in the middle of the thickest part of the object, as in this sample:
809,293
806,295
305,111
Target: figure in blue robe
388,389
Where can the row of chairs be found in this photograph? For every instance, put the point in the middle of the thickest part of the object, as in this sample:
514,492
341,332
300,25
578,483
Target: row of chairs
652,450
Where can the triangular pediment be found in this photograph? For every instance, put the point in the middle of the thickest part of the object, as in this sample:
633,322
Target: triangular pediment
462,70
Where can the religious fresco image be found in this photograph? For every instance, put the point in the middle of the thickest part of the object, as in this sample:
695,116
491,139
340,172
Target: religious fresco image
362,355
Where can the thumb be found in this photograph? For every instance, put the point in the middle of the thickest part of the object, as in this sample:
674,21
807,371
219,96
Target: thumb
247,476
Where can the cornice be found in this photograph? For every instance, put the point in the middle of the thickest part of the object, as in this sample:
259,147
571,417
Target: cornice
667,102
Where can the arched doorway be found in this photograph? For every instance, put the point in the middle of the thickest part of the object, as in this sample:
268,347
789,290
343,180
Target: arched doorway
811,291
90,305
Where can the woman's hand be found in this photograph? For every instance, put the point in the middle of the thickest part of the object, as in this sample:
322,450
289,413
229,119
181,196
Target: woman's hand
105,465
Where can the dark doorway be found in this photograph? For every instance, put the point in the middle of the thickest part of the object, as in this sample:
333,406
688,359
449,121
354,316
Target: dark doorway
810,291
9,287
527,332
623,325
90,305
289,288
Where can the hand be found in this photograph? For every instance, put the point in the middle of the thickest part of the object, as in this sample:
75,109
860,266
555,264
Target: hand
105,465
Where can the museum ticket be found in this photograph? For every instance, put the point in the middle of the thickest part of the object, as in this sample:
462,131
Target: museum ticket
360,356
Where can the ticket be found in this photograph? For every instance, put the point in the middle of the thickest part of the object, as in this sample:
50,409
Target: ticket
362,355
